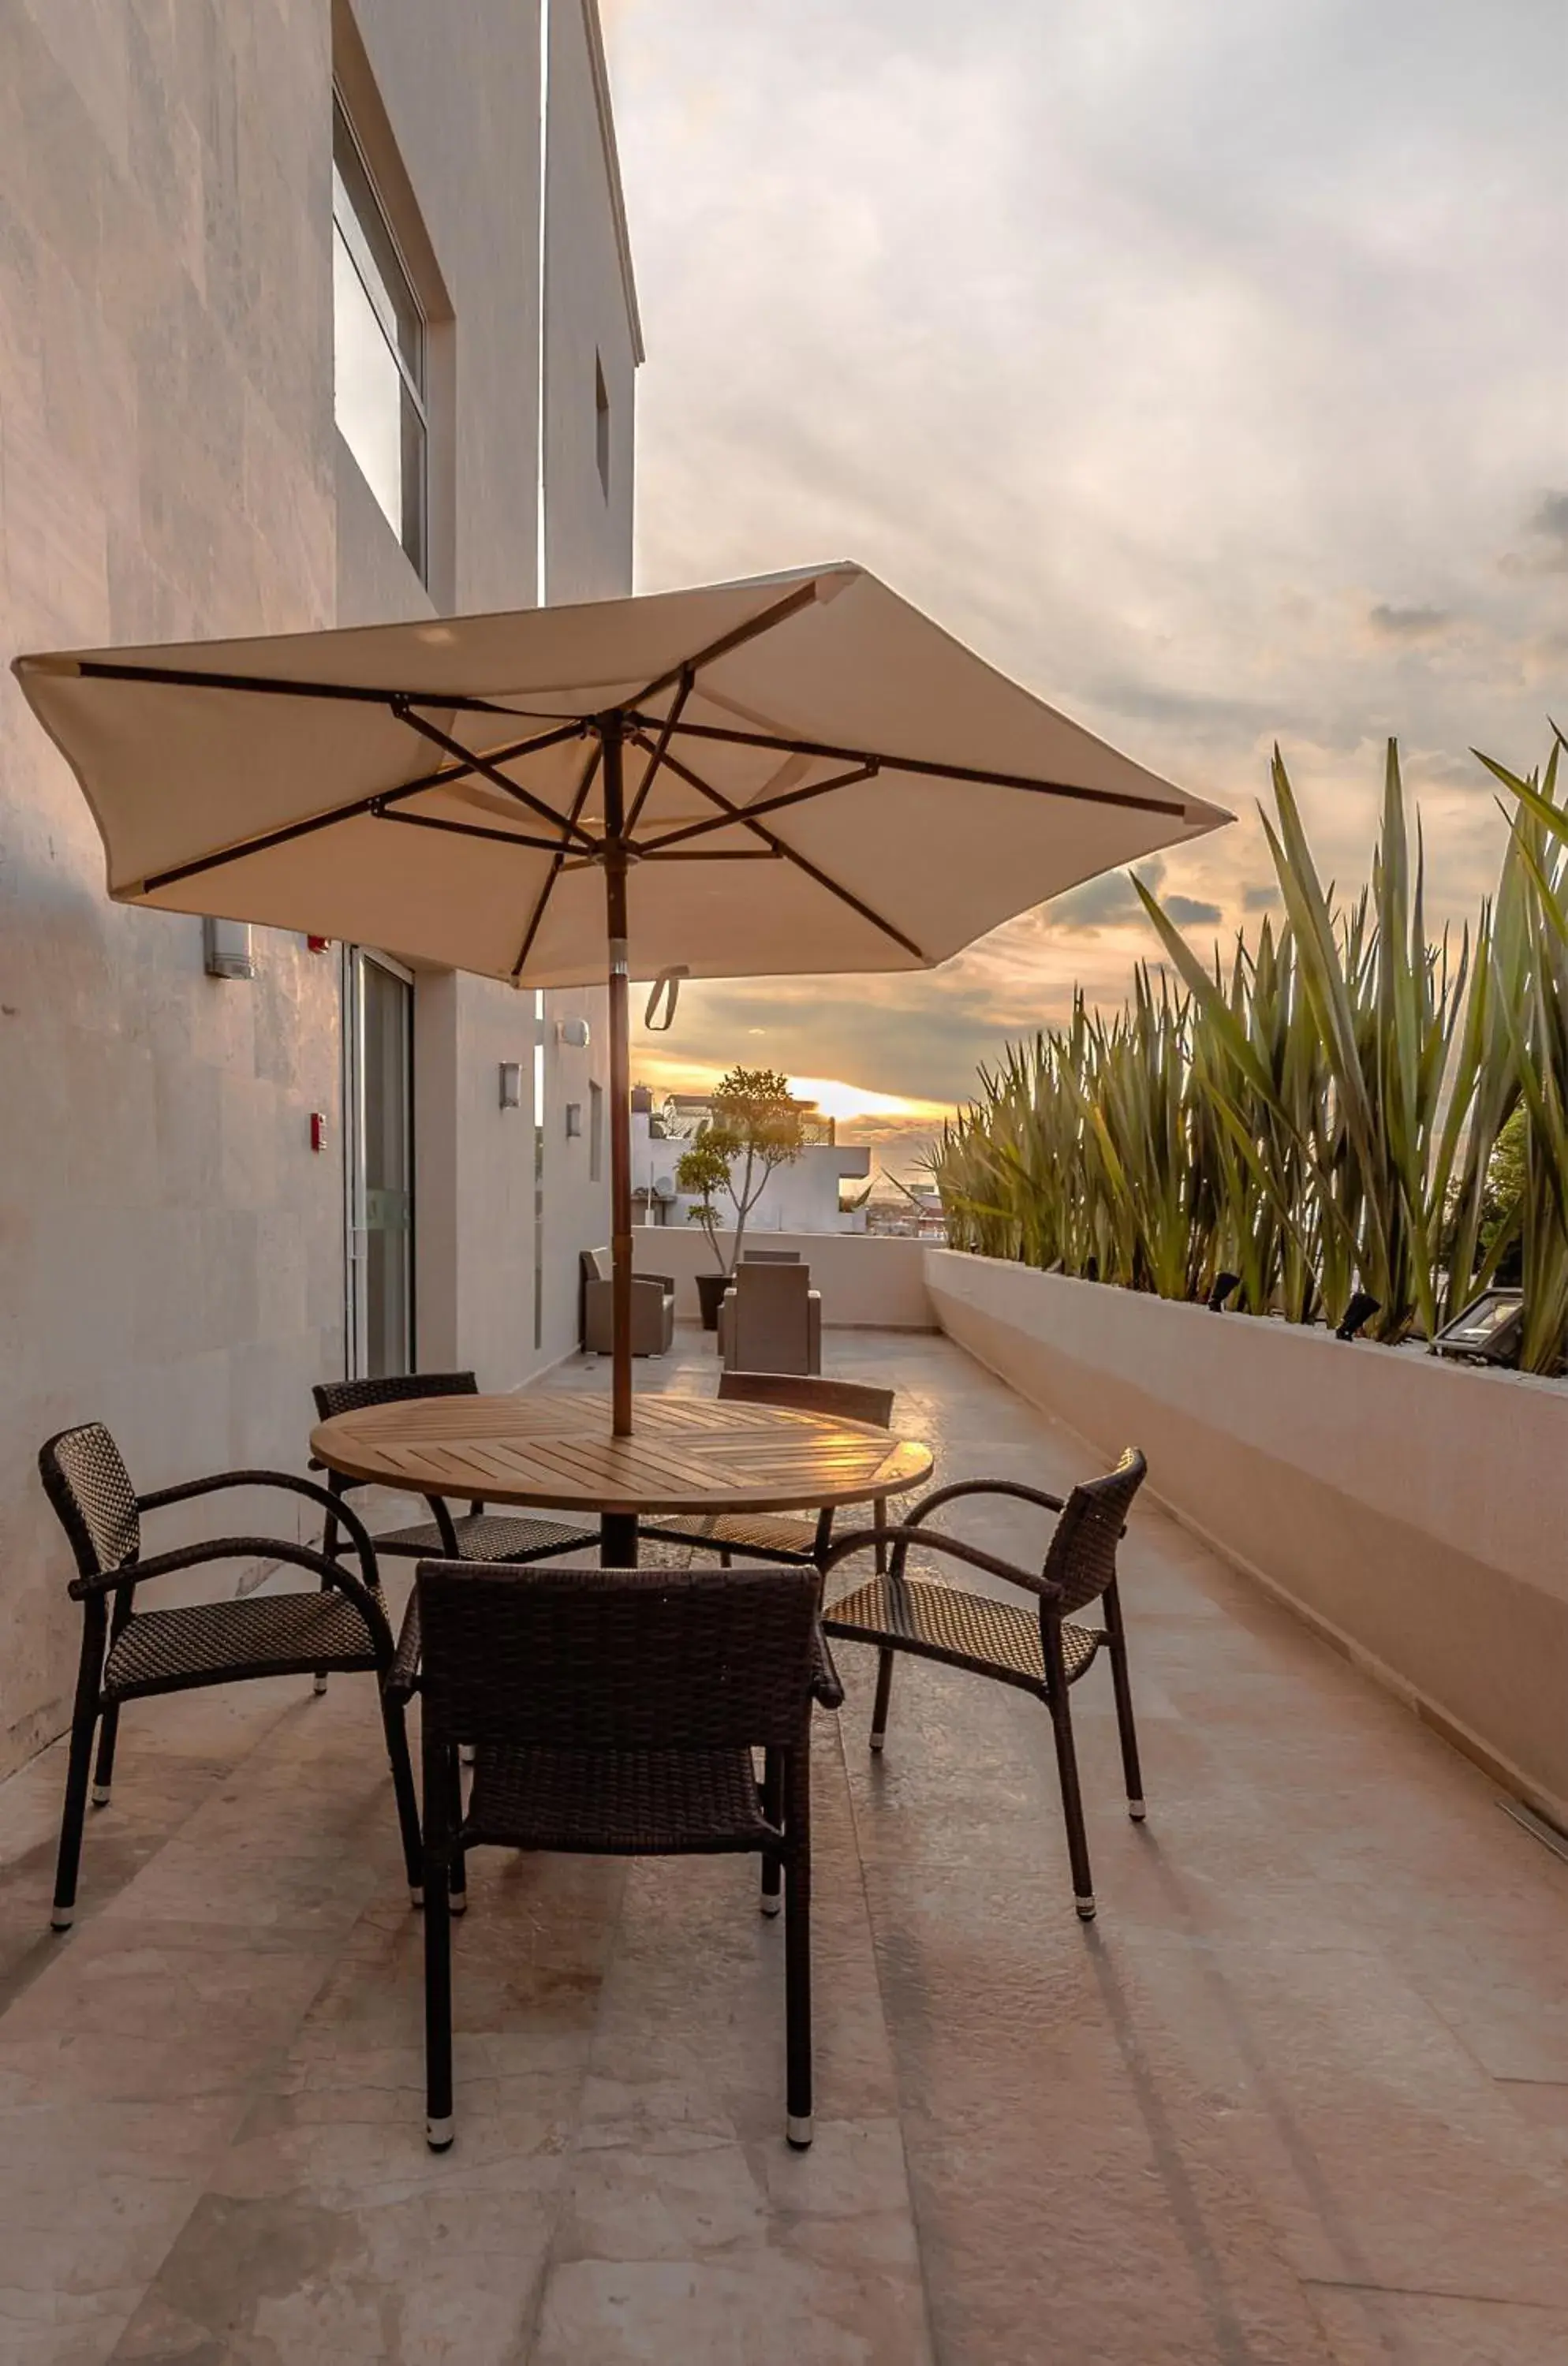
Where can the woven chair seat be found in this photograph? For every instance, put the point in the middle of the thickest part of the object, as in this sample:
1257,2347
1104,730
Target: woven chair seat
264,1634
488,1536
968,1631
745,1532
616,1803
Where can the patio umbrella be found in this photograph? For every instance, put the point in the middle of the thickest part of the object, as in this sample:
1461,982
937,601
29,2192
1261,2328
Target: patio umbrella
795,773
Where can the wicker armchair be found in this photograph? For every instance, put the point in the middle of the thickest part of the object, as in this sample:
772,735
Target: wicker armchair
131,1655
1043,1651
475,1535
780,1536
615,1713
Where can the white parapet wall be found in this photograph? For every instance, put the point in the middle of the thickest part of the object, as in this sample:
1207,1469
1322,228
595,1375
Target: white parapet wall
867,1282
1415,1510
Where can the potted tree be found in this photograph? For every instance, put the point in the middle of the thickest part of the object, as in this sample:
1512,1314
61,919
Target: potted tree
753,1126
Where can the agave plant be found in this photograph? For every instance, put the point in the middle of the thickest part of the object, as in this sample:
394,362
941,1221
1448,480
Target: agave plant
1320,1115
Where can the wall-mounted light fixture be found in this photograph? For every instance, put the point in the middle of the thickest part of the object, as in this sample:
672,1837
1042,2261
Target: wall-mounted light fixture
511,1083
573,1119
574,1033
226,948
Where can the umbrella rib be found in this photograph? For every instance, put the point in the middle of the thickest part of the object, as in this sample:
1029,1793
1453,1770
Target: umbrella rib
779,613
468,829
276,686
924,766
656,758
779,846
866,772
406,713
557,866
361,805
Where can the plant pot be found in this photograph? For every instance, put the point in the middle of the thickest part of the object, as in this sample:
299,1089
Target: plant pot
711,1288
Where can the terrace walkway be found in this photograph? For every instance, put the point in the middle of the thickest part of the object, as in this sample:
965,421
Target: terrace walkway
1299,2095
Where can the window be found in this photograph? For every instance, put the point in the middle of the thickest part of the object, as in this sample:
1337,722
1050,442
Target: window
538,1169
377,347
595,1132
602,424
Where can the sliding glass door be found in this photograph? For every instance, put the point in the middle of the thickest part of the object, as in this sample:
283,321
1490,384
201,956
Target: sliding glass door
380,1101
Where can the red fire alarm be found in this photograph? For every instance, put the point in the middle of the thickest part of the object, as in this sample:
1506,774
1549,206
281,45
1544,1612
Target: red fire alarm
318,1129
317,945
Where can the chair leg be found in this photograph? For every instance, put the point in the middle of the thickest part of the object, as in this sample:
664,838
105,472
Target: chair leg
438,2117
884,1692
458,1876
1116,1644
78,1766
797,1955
395,1724
773,1808
1072,1797
103,1772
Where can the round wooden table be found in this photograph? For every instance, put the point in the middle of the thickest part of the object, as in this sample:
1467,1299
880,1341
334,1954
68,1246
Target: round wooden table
553,1448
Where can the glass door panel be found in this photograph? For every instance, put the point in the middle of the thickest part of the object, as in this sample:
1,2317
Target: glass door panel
383,1175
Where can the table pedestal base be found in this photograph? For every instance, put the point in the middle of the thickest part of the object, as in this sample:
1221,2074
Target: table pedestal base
617,1539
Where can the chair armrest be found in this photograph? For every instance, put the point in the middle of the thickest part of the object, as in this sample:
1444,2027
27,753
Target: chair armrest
365,1598
1014,1487
665,1280
902,1534
334,1506
402,1676
827,1687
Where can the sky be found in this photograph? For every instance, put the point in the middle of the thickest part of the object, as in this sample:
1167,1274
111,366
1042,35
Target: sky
1204,366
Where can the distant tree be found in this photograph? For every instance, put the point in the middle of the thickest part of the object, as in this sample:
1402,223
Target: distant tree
754,1124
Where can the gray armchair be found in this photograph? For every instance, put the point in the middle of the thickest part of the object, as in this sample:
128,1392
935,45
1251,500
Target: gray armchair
770,1321
653,1308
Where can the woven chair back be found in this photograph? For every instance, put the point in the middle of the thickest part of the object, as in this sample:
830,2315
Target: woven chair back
90,1489
842,1400
771,1312
353,1396
592,1659
1082,1558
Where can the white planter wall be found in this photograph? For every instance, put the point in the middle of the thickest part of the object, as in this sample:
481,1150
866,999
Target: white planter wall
867,1281
1417,1510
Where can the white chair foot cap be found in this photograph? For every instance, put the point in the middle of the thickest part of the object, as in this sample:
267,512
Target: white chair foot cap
62,1917
769,1902
1085,1908
438,2133
876,1741
1137,1810
318,1684
100,1795
458,1902
798,2129
416,1895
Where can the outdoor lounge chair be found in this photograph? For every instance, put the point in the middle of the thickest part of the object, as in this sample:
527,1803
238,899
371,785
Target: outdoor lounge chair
475,1535
131,1655
1043,1651
770,1321
615,1713
653,1308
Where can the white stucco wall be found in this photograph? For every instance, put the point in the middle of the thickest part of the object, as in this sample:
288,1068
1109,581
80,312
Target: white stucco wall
171,1251
1413,1508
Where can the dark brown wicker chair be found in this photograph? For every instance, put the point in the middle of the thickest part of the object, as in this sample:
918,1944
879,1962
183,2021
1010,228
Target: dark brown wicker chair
780,1536
615,1713
1043,1651
476,1535
128,1655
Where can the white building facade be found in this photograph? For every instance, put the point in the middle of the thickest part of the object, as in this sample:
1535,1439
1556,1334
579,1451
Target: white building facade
307,316
805,1195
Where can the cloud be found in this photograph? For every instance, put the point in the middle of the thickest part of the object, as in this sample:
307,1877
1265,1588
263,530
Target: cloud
1261,896
1408,623
1190,911
1106,902
1137,343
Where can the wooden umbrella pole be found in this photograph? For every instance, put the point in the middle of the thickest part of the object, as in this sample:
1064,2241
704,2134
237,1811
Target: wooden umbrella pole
610,733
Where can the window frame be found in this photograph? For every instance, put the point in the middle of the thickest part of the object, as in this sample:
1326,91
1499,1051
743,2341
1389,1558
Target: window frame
365,224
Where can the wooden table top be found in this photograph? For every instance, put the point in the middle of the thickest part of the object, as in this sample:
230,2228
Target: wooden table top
553,1448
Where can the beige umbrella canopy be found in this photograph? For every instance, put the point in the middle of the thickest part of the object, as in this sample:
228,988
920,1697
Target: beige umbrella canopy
796,774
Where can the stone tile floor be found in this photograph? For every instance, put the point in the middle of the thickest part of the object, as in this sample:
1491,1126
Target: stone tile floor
1301,2095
